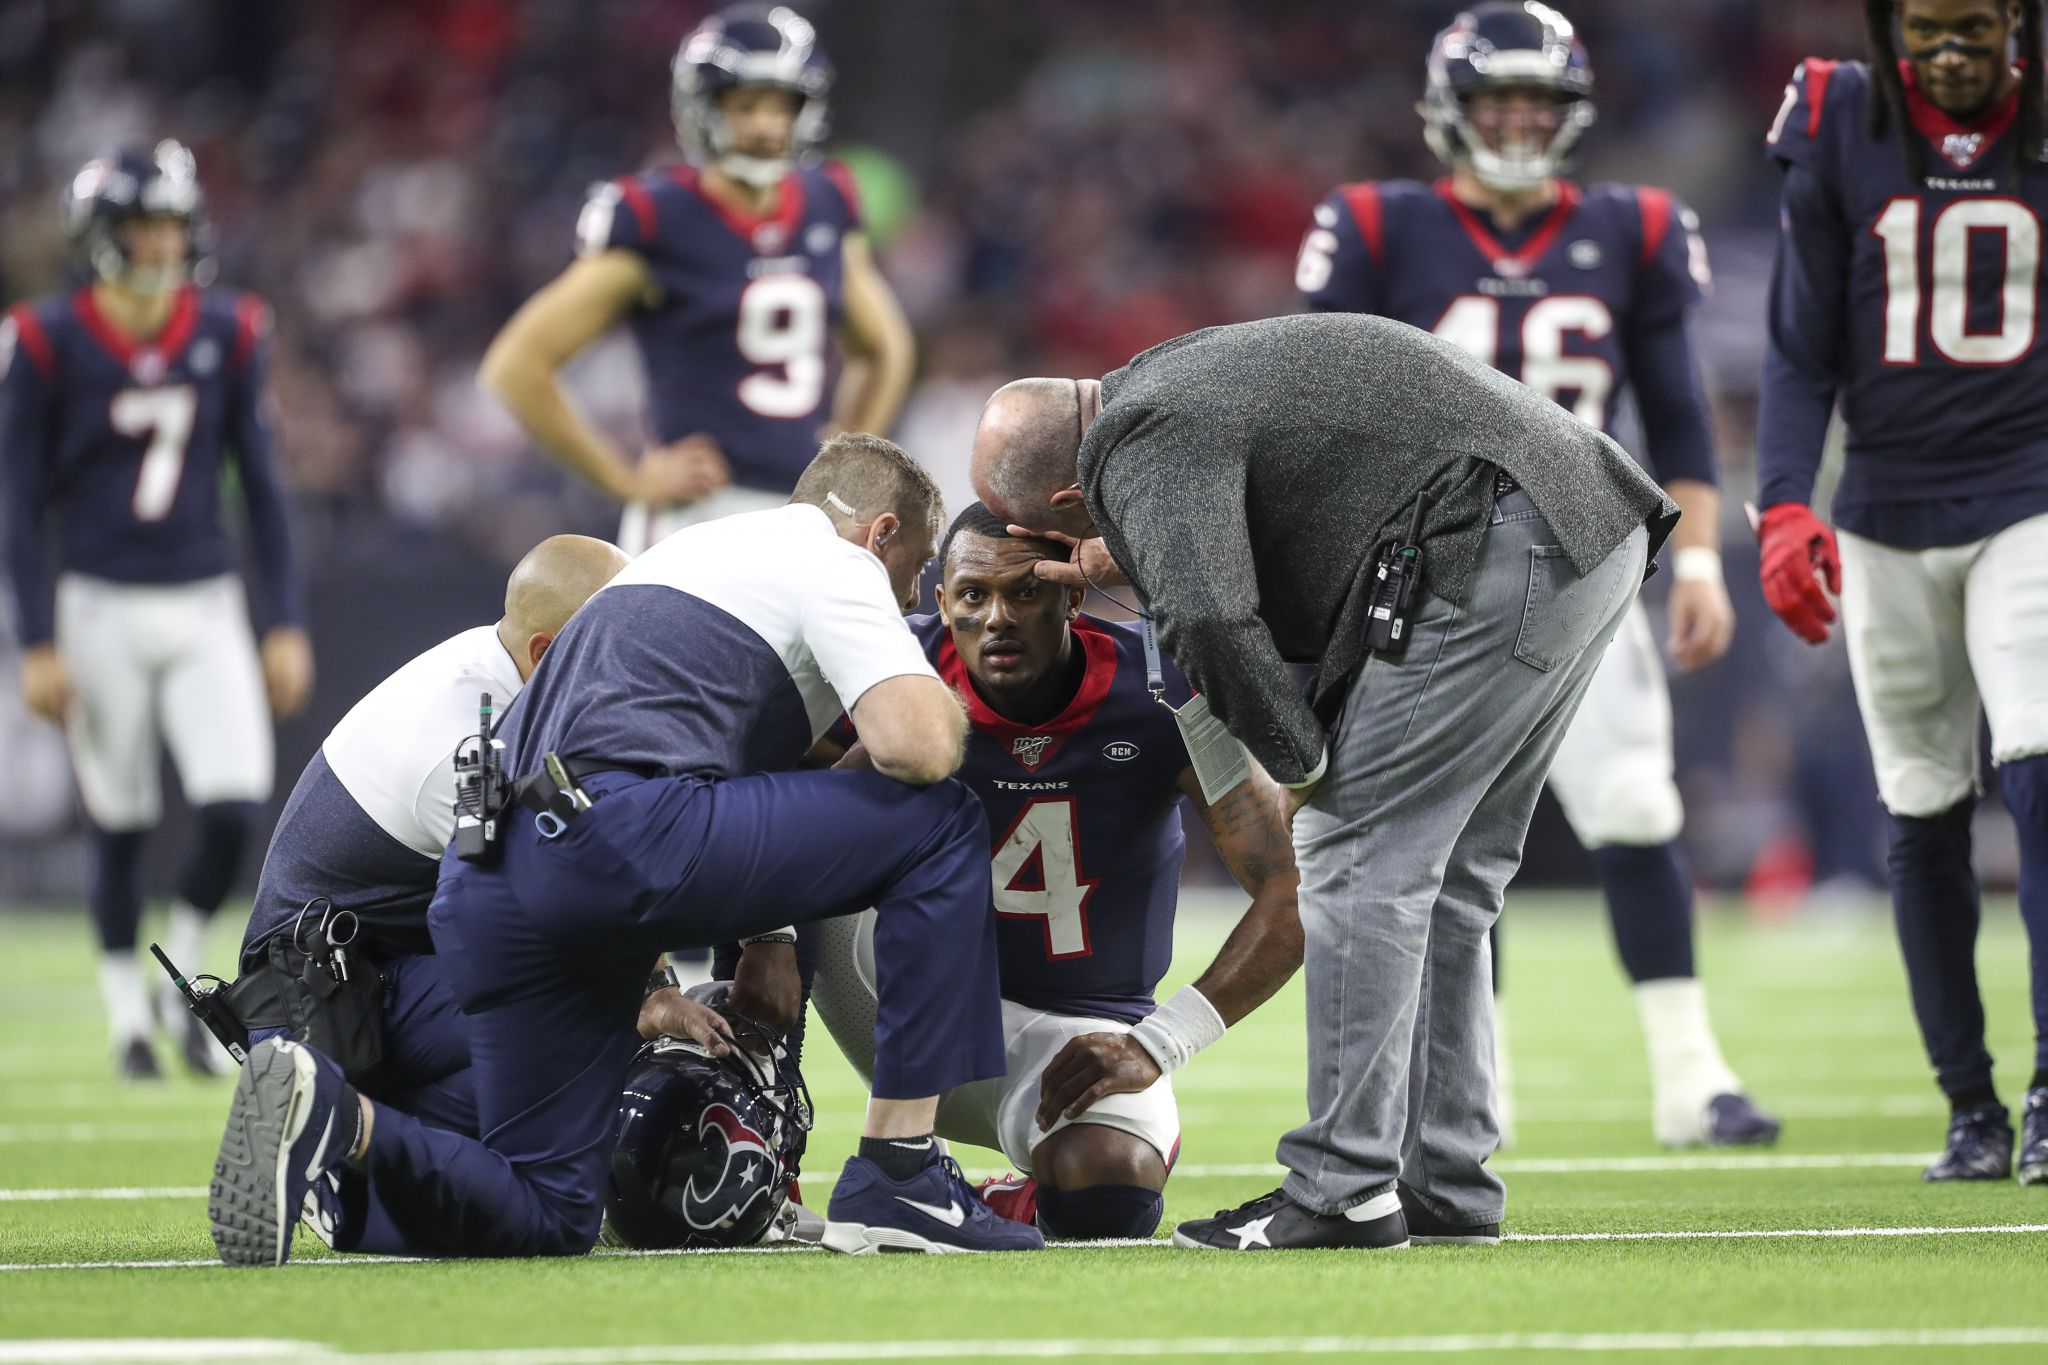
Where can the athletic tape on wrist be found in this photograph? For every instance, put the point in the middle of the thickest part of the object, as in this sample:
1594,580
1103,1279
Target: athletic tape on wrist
1696,564
1182,1026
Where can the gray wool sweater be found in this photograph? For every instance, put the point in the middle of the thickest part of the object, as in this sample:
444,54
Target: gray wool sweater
1244,477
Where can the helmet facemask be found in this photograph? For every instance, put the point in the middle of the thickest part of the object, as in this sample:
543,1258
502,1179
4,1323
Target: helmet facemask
1500,48
1511,152
739,50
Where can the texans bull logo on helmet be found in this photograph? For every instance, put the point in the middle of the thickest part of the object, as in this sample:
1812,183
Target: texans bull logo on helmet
738,1169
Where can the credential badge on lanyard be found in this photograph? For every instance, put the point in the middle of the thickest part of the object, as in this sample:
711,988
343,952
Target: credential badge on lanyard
1221,763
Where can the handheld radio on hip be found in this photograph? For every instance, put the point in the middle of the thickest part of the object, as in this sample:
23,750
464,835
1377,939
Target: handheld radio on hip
481,792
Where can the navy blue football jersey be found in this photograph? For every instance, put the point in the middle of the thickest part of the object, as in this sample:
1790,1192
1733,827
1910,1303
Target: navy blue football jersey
1586,297
1084,826
1917,303
739,345
123,446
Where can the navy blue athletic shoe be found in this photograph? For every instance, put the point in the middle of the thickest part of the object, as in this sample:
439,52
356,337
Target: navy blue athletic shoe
1735,1121
2034,1138
293,1119
1979,1146
935,1210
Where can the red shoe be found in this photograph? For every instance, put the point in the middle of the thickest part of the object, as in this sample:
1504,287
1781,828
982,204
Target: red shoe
1014,1197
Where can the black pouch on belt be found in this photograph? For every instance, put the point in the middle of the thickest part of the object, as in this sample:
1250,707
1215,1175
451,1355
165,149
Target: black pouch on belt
333,999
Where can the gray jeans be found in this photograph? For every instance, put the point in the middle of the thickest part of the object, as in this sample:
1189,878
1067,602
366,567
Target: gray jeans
1405,853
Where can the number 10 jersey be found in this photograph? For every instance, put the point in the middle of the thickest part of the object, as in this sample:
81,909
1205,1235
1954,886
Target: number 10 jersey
738,346
1917,301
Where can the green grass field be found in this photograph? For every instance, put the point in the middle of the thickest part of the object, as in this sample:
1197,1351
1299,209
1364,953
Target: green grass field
1828,1248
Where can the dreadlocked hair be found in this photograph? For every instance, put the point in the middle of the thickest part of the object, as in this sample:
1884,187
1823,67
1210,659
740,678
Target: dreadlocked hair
2031,128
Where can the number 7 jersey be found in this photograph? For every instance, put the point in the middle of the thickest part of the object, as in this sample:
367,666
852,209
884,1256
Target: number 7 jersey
738,346
123,446
1587,296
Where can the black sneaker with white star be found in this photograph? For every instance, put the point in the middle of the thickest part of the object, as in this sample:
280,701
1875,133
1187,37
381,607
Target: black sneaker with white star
1274,1222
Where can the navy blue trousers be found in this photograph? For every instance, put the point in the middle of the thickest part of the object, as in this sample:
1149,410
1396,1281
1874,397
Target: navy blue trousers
549,950
426,1069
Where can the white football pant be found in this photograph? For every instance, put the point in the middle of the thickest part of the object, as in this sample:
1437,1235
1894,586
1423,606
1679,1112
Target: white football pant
170,663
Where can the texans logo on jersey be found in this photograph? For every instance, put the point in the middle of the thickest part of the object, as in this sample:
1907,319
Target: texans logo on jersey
737,1170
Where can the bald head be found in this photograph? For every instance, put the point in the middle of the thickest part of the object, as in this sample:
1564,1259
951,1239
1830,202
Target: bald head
1025,451
545,589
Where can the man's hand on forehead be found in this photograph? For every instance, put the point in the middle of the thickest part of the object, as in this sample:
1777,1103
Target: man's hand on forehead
1089,564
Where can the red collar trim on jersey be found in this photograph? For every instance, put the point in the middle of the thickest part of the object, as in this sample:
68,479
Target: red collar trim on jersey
1937,126
168,344
1098,672
787,213
1524,258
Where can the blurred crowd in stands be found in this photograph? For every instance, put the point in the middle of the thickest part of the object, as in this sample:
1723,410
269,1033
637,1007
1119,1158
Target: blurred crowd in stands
1052,185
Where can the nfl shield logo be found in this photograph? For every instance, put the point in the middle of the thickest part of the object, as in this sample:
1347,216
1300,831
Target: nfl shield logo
148,367
1030,749
1962,148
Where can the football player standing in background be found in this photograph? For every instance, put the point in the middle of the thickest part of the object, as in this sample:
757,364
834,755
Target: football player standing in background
1908,284
127,404
1577,293
735,273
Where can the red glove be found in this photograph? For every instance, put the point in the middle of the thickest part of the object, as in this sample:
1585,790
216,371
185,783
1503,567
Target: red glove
1798,553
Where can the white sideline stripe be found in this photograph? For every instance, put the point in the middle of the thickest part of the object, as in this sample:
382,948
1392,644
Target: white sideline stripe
1744,1234
1617,1165
104,1192
104,1132
114,1349
1601,1112
1705,1235
90,1352
1621,1165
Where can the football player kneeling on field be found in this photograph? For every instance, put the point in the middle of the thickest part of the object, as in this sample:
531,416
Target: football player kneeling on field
1081,771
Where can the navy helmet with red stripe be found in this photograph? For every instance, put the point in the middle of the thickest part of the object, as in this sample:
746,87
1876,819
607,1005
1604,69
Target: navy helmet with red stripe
708,1147
749,45
1497,46
120,186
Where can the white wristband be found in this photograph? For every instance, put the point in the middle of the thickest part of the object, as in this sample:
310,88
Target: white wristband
1696,564
1178,1029
1315,774
786,935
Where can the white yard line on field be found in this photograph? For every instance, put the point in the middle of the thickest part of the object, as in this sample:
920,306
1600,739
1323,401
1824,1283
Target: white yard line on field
1620,1165
1052,1348
1701,1235
120,1131
118,1192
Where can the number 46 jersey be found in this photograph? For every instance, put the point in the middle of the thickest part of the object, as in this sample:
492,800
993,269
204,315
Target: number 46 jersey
738,345
1583,298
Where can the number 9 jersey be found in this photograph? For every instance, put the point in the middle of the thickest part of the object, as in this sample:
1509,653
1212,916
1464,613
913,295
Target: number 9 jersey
1580,299
1918,302
738,344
